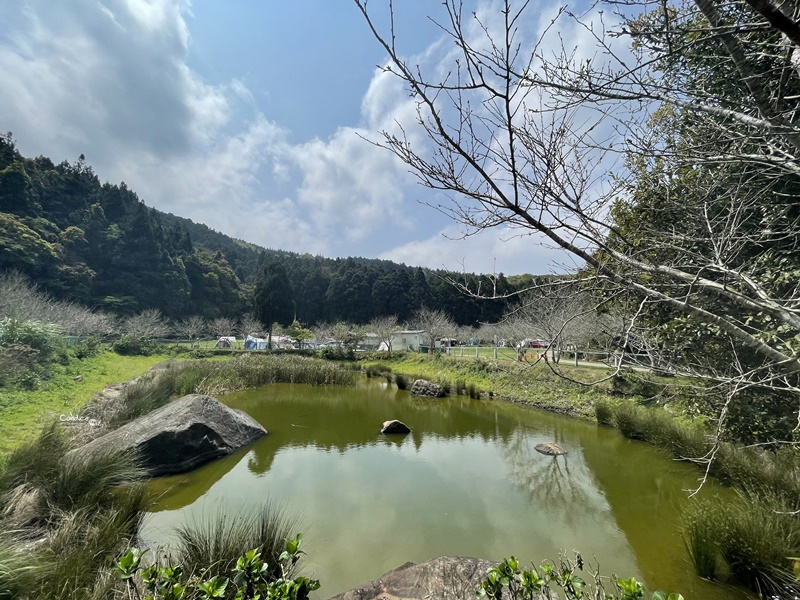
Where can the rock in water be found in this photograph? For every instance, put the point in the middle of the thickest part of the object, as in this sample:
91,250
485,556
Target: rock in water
181,435
550,449
395,426
428,389
439,578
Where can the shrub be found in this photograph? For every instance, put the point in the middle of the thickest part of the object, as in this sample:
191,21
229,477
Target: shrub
131,345
634,383
250,578
46,338
88,348
508,580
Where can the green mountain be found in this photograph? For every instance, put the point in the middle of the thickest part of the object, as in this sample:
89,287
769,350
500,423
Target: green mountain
99,245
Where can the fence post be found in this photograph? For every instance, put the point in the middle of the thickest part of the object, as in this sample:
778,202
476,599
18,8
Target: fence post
476,351
495,352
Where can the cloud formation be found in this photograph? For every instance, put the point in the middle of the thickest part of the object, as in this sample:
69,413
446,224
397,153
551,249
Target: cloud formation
111,79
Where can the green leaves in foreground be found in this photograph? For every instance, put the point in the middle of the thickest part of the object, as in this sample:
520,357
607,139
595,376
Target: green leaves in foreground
251,579
507,580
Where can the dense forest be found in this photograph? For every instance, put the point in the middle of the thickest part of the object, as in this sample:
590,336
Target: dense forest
98,244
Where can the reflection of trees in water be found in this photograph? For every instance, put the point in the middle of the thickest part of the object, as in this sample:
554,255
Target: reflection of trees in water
553,481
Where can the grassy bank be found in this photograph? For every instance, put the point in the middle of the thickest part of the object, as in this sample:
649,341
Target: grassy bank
24,412
215,377
62,513
533,384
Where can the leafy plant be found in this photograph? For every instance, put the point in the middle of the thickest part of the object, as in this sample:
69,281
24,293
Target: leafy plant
88,348
251,578
508,580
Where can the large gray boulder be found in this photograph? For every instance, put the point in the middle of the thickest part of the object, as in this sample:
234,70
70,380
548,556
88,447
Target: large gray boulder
446,577
426,389
181,435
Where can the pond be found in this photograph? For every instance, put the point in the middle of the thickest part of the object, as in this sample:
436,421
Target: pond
467,481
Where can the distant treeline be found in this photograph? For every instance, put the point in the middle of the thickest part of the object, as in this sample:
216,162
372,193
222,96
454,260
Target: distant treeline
99,245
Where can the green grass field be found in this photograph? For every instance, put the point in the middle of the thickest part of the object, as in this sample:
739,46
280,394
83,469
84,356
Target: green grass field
22,413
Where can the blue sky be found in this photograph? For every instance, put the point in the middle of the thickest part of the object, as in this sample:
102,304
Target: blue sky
247,116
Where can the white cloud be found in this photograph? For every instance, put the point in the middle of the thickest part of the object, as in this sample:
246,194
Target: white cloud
490,251
111,79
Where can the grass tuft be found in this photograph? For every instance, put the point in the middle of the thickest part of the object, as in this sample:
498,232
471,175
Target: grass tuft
603,412
401,381
753,536
77,509
211,545
701,541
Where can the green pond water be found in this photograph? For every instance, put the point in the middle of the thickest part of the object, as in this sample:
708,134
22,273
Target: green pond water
467,481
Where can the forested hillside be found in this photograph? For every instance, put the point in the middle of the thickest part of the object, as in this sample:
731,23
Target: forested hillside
99,244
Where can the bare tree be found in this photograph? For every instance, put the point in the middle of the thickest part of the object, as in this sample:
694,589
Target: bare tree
564,318
192,327
323,332
674,184
147,325
222,327
348,334
384,328
21,299
249,325
436,323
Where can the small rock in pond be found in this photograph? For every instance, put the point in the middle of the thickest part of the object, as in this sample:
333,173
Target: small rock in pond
550,449
395,426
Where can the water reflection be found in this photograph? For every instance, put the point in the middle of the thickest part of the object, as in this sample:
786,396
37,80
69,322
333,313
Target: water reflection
466,481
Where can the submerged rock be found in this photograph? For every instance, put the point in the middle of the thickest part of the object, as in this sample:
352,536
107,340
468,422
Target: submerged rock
550,449
443,577
422,387
181,435
395,426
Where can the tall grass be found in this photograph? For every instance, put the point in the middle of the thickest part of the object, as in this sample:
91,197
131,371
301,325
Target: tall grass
700,531
17,567
754,536
75,509
212,544
78,548
377,370
603,413
770,472
218,377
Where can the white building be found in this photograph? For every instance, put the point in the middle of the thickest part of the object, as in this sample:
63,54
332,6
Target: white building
406,341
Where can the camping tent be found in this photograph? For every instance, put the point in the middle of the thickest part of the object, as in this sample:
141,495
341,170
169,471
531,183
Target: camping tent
225,342
253,343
